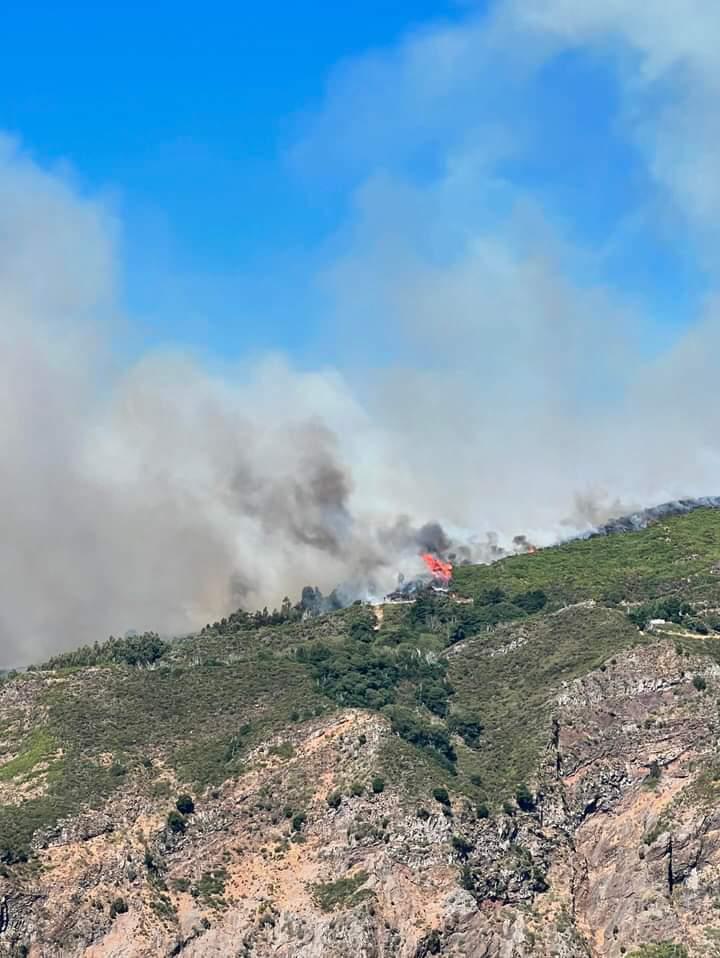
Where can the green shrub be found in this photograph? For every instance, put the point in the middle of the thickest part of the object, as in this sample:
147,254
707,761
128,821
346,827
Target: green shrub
343,893
467,725
434,696
176,822
362,632
185,804
441,795
118,907
362,675
467,880
654,771
531,602
334,799
462,846
211,887
414,730
524,798
671,609
492,596
356,789
664,949
378,784
477,619
699,683
135,650
482,811
431,944
298,821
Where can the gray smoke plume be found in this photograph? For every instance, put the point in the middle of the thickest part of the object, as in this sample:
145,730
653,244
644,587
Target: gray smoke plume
514,399
403,535
645,517
152,494
432,538
522,544
310,506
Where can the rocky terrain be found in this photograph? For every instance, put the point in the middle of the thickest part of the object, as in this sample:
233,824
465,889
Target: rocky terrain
225,799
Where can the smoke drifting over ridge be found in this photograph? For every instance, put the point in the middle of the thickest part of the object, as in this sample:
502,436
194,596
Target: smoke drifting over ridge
156,493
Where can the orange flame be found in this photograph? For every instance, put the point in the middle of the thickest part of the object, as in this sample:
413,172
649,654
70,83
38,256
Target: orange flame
440,570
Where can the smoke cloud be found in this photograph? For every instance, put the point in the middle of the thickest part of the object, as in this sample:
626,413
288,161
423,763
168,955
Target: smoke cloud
517,402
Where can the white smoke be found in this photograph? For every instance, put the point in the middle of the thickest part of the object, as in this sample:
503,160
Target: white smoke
154,493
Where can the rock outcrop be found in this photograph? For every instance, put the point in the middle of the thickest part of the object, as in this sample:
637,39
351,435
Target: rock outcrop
620,846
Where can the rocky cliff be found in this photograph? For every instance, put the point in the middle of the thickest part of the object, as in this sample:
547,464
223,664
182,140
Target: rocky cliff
327,830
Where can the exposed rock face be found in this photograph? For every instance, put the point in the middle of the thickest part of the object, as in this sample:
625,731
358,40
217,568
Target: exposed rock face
639,774
622,847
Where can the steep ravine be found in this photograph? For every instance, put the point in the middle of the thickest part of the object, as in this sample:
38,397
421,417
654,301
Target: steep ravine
622,849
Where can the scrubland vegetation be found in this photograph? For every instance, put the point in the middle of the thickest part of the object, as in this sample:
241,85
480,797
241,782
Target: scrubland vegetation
466,688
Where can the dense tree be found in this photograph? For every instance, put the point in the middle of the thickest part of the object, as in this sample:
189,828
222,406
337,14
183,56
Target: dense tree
434,696
671,609
491,596
414,730
462,846
525,798
118,907
467,725
138,650
185,804
531,602
176,822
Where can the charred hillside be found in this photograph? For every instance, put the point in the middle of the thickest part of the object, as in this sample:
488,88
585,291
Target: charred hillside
523,765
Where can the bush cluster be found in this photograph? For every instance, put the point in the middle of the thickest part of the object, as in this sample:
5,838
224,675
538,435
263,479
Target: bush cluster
362,675
176,822
132,650
671,609
413,729
435,612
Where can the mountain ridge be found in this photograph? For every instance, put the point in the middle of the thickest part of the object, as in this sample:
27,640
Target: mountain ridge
453,777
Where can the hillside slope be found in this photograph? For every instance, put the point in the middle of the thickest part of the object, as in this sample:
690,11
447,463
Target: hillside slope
531,773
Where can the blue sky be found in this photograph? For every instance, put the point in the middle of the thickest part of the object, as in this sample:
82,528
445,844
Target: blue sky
463,256
191,119
185,113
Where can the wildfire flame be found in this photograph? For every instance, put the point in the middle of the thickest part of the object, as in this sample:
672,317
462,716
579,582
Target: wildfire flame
441,571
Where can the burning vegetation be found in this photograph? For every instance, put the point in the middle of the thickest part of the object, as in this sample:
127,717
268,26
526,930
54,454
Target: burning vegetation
441,556
439,570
